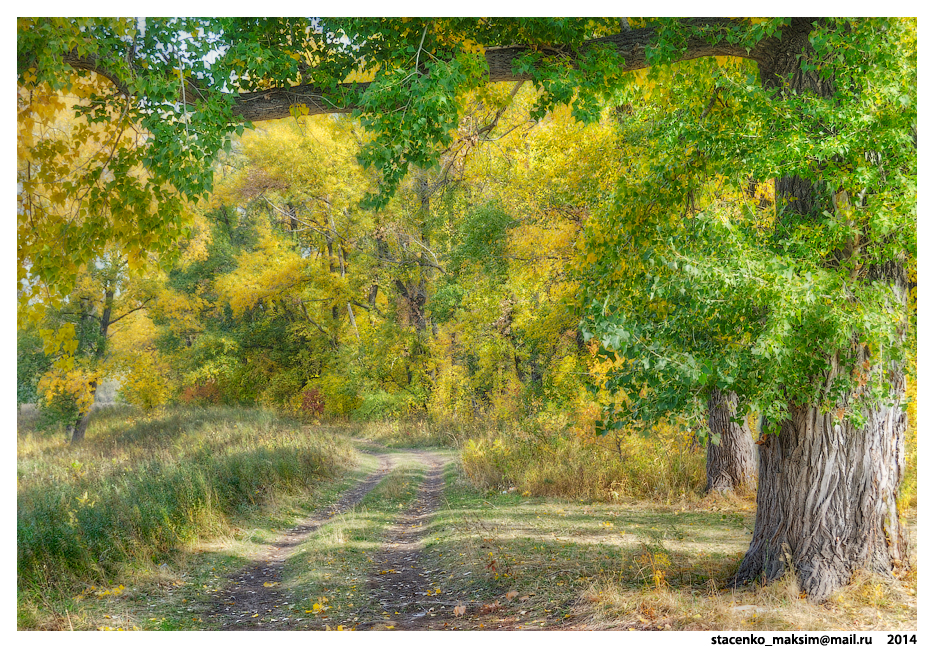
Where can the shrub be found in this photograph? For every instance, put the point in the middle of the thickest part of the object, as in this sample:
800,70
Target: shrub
313,404
207,393
339,394
380,405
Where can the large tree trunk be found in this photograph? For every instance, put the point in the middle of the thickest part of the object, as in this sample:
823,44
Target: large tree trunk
826,501
731,462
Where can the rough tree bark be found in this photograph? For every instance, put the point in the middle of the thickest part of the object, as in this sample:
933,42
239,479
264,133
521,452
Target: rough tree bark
826,498
731,463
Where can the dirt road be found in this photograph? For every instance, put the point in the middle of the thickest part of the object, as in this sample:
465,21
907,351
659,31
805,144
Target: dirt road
254,598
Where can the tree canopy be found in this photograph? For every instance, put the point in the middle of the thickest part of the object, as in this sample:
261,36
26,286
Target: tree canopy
182,85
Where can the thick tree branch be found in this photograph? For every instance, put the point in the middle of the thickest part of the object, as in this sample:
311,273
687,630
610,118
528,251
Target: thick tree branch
632,45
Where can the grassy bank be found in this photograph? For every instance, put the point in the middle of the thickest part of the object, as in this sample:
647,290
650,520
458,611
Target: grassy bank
140,488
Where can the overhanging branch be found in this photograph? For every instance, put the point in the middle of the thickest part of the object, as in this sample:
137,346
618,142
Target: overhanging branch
632,45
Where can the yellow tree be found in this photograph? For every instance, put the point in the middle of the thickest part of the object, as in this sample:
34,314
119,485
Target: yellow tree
514,210
78,334
83,250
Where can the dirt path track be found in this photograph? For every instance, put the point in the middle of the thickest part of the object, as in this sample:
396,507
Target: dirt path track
401,583
246,604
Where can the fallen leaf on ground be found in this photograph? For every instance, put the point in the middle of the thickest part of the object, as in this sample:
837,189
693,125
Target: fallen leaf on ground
488,608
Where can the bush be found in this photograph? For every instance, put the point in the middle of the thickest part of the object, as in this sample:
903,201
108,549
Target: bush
202,394
313,404
339,394
380,405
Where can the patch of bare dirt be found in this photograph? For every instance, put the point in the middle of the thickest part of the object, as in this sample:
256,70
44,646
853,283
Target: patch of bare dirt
252,601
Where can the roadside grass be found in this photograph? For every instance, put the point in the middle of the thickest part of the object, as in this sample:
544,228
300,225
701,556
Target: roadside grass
516,560
176,601
551,461
108,529
545,562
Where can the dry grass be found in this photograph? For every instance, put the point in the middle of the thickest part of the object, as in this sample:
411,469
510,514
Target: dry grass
870,602
642,565
404,434
662,466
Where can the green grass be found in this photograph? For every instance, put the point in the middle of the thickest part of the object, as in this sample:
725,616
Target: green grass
140,491
590,561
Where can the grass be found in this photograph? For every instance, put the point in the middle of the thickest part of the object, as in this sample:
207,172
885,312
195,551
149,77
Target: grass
332,567
140,492
415,433
543,462
586,564
600,559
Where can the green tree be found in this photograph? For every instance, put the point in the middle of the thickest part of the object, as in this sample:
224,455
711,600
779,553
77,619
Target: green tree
793,297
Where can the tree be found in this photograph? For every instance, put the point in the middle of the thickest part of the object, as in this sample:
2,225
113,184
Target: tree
731,458
103,297
801,312
794,299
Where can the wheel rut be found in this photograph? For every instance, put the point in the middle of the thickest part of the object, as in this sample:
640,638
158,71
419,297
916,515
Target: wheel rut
400,583
252,600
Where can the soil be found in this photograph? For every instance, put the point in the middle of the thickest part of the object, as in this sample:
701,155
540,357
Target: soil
402,584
